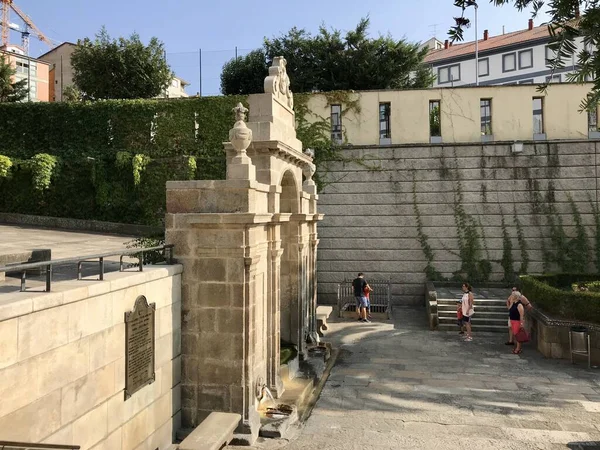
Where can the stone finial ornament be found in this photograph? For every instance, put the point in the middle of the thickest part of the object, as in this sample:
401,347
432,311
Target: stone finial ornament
309,152
277,82
240,135
309,170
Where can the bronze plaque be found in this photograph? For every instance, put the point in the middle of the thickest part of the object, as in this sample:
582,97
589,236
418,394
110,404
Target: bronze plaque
139,346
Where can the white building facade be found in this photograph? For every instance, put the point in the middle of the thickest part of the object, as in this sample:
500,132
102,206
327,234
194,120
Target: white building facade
520,57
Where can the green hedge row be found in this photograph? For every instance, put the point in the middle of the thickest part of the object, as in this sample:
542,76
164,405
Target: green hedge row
553,295
87,183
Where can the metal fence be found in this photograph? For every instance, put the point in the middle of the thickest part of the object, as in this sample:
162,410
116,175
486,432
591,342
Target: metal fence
143,256
202,68
380,297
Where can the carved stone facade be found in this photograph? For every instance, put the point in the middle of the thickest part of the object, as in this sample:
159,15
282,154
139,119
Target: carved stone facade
248,245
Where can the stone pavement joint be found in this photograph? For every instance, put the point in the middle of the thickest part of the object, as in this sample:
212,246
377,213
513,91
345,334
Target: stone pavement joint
398,385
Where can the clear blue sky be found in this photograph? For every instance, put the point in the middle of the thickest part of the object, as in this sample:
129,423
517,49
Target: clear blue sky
217,27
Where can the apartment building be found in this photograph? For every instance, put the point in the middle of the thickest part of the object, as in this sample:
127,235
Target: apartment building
519,57
35,71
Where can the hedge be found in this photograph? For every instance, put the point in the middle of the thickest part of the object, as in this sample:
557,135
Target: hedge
85,138
546,293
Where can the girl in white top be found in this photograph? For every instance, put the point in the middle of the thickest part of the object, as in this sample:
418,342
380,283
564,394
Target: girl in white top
467,309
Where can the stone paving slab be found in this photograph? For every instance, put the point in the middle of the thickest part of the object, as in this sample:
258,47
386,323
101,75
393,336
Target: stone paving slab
397,385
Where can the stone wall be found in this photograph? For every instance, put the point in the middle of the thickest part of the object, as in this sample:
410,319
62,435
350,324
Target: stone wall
370,223
62,363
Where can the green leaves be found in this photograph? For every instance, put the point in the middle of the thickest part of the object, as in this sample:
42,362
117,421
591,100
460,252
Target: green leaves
5,165
11,91
42,167
568,21
107,68
331,61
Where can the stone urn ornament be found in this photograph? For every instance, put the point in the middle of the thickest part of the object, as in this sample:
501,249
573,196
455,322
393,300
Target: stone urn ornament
240,135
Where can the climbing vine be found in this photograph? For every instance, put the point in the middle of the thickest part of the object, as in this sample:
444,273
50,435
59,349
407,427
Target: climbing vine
42,168
315,133
507,262
473,265
139,163
596,213
430,271
5,165
523,248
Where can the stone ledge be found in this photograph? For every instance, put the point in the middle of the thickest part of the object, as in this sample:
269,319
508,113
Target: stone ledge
213,433
16,304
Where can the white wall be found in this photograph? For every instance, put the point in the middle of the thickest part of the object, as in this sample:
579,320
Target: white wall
496,76
62,364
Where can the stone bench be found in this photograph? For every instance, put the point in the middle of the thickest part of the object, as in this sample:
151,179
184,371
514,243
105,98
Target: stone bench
23,257
323,313
213,433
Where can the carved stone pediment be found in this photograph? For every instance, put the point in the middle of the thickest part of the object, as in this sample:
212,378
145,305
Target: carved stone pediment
278,82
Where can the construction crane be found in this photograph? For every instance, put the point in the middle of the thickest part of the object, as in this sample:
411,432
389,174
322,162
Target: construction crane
7,5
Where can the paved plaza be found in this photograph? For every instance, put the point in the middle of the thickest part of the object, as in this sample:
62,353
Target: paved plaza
63,243
400,386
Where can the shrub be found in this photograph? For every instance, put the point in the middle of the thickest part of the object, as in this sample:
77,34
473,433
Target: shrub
548,293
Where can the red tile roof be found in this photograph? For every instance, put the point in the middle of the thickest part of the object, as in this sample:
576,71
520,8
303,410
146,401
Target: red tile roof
491,43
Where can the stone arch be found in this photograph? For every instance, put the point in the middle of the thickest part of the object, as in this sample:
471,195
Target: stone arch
289,203
289,199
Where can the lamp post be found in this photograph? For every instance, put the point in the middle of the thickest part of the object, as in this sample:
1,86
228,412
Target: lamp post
476,48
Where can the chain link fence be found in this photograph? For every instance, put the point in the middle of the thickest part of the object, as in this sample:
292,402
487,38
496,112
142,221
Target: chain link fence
202,68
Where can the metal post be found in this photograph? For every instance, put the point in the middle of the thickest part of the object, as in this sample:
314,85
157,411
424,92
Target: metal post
62,79
476,49
23,278
48,277
101,263
141,261
236,56
200,65
28,80
79,264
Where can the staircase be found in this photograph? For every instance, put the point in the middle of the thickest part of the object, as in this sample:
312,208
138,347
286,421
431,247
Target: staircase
490,315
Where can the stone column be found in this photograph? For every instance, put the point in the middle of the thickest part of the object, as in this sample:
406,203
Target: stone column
273,319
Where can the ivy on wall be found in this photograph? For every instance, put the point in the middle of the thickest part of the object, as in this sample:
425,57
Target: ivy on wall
108,160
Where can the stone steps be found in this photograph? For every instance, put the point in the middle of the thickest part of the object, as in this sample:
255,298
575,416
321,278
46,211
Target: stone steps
490,315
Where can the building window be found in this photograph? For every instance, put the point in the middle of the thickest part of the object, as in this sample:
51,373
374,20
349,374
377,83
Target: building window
385,131
435,118
509,62
22,67
550,54
554,79
449,74
484,67
336,123
526,59
486,116
175,83
538,115
593,120
530,81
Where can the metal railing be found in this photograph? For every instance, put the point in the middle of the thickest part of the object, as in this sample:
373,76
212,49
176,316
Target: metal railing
380,298
7,445
80,260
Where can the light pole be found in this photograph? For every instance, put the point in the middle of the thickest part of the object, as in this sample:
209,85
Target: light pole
476,49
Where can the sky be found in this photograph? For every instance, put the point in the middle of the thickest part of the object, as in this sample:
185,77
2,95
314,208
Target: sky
218,27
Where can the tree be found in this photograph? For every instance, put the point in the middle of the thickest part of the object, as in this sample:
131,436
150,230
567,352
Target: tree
11,91
71,94
120,68
330,61
566,25
246,74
